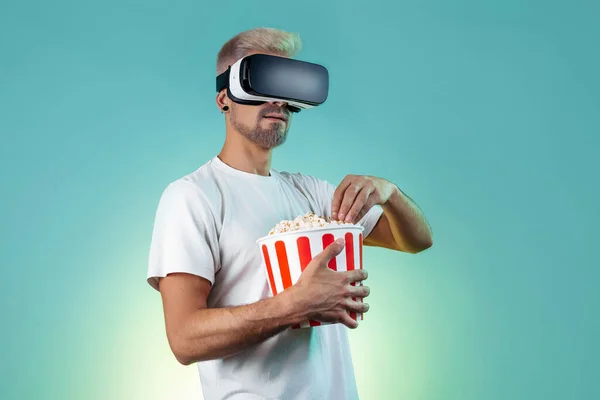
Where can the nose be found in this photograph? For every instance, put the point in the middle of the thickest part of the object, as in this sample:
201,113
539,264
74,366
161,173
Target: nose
280,103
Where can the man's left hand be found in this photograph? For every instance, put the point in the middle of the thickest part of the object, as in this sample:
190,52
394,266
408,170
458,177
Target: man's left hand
356,194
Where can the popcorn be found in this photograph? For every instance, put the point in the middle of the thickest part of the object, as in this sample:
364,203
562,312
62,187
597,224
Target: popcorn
303,222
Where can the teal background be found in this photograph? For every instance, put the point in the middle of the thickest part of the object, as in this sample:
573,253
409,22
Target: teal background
485,113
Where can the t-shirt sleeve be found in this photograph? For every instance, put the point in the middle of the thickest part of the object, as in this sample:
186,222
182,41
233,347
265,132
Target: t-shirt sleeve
184,237
368,221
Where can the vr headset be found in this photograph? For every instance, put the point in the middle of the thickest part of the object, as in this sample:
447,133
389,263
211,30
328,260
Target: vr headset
261,78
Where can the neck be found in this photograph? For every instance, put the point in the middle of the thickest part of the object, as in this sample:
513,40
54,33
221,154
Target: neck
241,154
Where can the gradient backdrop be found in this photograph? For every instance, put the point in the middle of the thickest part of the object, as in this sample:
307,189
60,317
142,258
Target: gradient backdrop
486,113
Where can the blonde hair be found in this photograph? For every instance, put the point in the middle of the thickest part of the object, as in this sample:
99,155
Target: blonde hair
261,40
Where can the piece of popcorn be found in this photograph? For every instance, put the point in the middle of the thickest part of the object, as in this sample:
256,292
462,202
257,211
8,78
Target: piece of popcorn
301,222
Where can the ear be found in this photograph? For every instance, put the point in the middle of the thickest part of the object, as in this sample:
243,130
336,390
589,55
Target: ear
222,100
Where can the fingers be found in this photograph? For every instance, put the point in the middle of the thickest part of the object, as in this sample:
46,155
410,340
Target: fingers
331,251
349,321
338,195
371,201
354,307
350,199
364,201
356,275
357,306
359,291
355,195
342,312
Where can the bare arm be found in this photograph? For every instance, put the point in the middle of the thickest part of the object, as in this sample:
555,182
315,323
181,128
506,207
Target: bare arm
197,333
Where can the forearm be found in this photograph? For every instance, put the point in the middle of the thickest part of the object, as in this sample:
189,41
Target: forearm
213,333
407,223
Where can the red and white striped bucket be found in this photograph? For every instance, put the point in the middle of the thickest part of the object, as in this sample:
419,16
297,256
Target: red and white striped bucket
285,256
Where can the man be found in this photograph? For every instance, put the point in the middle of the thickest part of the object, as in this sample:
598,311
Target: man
206,264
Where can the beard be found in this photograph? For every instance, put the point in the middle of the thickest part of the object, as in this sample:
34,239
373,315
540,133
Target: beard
267,138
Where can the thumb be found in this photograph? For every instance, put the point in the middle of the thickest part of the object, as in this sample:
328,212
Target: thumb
332,250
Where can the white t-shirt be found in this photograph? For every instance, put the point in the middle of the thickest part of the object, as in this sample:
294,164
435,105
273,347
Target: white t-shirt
207,224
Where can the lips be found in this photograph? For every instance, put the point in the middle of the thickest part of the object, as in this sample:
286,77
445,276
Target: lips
278,116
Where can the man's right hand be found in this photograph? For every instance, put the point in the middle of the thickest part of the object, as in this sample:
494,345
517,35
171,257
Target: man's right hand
326,295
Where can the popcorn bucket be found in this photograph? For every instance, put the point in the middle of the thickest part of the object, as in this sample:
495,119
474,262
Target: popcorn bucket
286,255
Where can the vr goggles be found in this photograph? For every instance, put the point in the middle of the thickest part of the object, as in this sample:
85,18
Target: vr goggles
261,78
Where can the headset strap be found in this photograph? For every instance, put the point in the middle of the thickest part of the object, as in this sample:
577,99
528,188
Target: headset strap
223,80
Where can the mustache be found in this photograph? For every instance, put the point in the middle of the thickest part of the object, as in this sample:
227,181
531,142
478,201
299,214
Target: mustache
275,110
